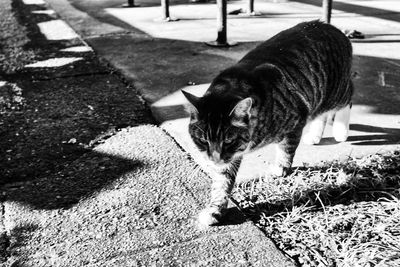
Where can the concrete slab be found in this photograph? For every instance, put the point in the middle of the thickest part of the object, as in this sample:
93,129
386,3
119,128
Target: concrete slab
138,190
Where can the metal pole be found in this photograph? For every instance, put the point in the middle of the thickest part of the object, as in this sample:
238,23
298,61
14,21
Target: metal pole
165,9
221,22
327,10
131,3
222,40
250,9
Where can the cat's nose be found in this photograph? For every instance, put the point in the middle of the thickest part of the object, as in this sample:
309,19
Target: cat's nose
215,156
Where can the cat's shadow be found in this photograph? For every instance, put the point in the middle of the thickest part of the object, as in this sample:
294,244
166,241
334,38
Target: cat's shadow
232,216
353,191
382,136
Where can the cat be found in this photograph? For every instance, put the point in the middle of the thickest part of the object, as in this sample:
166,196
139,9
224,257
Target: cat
300,75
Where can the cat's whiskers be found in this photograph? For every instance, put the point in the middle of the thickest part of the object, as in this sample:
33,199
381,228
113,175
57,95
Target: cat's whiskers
200,129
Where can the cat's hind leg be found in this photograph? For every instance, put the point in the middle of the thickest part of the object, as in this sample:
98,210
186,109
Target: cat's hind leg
340,127
313,134
285,151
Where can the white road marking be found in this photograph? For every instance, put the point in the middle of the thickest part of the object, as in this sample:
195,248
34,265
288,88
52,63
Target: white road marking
34,2
54,62
77,49
46,12
57,30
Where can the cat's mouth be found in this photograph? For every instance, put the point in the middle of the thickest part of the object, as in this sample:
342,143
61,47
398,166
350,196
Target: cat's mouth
220,163
220,166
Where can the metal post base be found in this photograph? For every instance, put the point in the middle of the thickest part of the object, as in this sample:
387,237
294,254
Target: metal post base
220,44
244,12
169,19
251,14
130,5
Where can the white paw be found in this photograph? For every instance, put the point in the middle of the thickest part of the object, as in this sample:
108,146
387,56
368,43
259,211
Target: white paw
275,170
311,139
208,217
340,132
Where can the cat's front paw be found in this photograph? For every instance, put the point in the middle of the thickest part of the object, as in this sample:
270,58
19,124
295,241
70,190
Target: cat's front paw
209,216
311,139
277,170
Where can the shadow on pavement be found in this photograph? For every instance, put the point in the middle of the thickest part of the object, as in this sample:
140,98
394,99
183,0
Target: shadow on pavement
386,136
389,136
232,216
61,120
376,41
91,173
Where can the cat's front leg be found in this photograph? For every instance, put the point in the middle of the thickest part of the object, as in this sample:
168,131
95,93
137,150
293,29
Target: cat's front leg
285,151
221,188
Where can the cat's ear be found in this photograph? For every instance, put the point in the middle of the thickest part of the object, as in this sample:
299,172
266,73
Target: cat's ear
194,100
240,114
193,109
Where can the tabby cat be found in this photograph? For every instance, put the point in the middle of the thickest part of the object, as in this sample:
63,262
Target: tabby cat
302,74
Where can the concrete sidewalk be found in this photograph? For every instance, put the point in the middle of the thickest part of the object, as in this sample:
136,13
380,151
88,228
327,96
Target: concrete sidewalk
163,58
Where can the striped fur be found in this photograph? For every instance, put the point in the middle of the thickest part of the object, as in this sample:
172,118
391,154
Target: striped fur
268,97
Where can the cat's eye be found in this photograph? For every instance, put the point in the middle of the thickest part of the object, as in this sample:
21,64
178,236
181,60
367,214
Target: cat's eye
203,141
228,140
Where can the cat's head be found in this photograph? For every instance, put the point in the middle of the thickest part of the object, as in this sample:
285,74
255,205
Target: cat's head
220,127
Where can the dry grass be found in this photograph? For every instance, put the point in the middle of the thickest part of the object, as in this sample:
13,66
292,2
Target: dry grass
337,214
